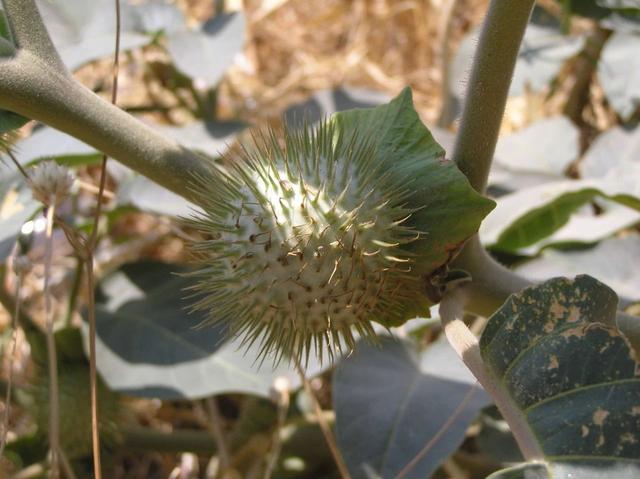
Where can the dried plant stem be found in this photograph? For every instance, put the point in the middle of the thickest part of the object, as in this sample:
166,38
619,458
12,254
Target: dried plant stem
7,397
443,429
467,347
214,425
54,408
66,466
15,161
91,243
322,422
93,375
276,443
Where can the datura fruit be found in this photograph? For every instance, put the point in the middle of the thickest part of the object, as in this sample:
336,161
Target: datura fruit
313,234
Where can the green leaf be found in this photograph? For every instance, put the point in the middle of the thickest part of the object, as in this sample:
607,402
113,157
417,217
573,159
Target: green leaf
206,54
572,378
527,216
10,121
150,345
390,402
450,210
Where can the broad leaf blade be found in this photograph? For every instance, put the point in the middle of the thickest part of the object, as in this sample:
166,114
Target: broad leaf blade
390,402
450,210
525,217
149,345
557,354
619,73
205,55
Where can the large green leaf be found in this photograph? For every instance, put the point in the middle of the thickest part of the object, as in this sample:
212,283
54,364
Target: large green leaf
148,344
572,378
391,401
449,209
527,216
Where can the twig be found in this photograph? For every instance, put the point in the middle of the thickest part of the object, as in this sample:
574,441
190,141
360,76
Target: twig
466,346
91,244
66,465
94,189
324,426
54,409
14,330
15,161
443,429
282,397
215,427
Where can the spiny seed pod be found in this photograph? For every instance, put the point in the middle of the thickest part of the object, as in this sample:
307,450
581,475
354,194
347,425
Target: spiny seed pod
50,183
306,243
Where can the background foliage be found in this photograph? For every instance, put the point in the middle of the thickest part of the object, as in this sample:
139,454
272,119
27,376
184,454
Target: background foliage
566,180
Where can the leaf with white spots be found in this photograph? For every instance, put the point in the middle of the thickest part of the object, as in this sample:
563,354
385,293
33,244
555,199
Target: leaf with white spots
557,353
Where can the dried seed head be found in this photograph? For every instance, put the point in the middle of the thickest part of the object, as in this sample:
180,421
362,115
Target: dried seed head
50,183
305,243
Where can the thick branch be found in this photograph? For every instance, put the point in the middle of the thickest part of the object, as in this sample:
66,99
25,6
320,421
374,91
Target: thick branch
35,84
488,87
29,32
491,282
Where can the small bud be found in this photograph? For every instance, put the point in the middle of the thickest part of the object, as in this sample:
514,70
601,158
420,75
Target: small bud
50,183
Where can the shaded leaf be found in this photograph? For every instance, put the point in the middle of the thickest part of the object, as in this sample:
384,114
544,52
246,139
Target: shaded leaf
582,413
83,31
16,207
619,73
543,52
390,402
617,146
149,345
206,54
325,103
47,142
537,154
612,261
527,216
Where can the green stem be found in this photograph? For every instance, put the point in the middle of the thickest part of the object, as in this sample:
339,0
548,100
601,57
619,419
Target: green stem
491,282
485,101
35,83
488,88
466,345
175,441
